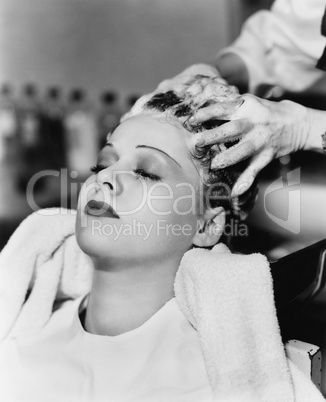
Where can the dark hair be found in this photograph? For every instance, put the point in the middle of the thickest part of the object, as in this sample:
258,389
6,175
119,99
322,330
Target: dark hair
221,181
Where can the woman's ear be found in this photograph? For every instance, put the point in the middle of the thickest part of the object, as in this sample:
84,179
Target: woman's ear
210,227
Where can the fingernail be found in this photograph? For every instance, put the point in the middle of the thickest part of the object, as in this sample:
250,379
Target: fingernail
192,119
200,143
239,189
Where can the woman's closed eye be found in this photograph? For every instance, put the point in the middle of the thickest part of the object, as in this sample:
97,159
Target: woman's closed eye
97,168
140,174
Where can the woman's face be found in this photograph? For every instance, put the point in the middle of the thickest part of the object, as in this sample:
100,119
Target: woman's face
151,189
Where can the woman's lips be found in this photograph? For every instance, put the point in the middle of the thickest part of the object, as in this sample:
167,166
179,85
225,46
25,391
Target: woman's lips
100,209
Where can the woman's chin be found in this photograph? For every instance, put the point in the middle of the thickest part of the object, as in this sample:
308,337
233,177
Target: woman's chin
107,247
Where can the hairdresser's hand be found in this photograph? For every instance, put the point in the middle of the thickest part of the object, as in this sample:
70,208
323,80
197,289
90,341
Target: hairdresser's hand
266,130
181,81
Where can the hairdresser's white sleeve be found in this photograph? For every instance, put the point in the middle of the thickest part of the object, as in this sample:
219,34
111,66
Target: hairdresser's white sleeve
282,46
251,47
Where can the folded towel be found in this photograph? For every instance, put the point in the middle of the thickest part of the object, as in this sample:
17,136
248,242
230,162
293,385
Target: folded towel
228,298
34,258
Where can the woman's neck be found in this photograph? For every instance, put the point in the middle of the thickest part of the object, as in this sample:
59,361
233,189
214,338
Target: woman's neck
123,299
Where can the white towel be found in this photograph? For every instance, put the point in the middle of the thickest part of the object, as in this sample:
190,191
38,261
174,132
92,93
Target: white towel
228,298
34,257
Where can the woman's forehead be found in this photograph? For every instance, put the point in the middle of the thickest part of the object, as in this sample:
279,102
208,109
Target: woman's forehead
154,129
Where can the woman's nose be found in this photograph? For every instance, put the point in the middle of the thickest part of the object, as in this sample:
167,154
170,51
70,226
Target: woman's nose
110,180
110,185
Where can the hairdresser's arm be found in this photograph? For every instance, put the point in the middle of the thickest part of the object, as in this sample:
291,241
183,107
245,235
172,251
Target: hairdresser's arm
314,94
267,130
233,69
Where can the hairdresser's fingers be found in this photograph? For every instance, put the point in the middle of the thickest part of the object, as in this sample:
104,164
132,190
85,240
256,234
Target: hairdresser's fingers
179,81
177,84
227,132
212,90
217,111
233,155
233,89
257,163
221,80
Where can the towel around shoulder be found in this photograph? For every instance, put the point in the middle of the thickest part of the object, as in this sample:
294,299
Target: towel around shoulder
41,257
229,299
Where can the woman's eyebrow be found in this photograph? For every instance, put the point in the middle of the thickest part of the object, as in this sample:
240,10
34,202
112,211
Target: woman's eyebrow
157,149
109,144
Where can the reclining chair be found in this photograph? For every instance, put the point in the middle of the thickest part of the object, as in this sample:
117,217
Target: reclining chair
300,298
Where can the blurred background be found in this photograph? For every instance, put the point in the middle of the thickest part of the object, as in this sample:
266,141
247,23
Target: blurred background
70,68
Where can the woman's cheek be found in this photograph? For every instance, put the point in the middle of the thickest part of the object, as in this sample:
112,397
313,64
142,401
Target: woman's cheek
172,200
131,199
160,199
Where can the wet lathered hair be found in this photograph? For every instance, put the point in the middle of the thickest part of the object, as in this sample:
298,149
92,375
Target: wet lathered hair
221,181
